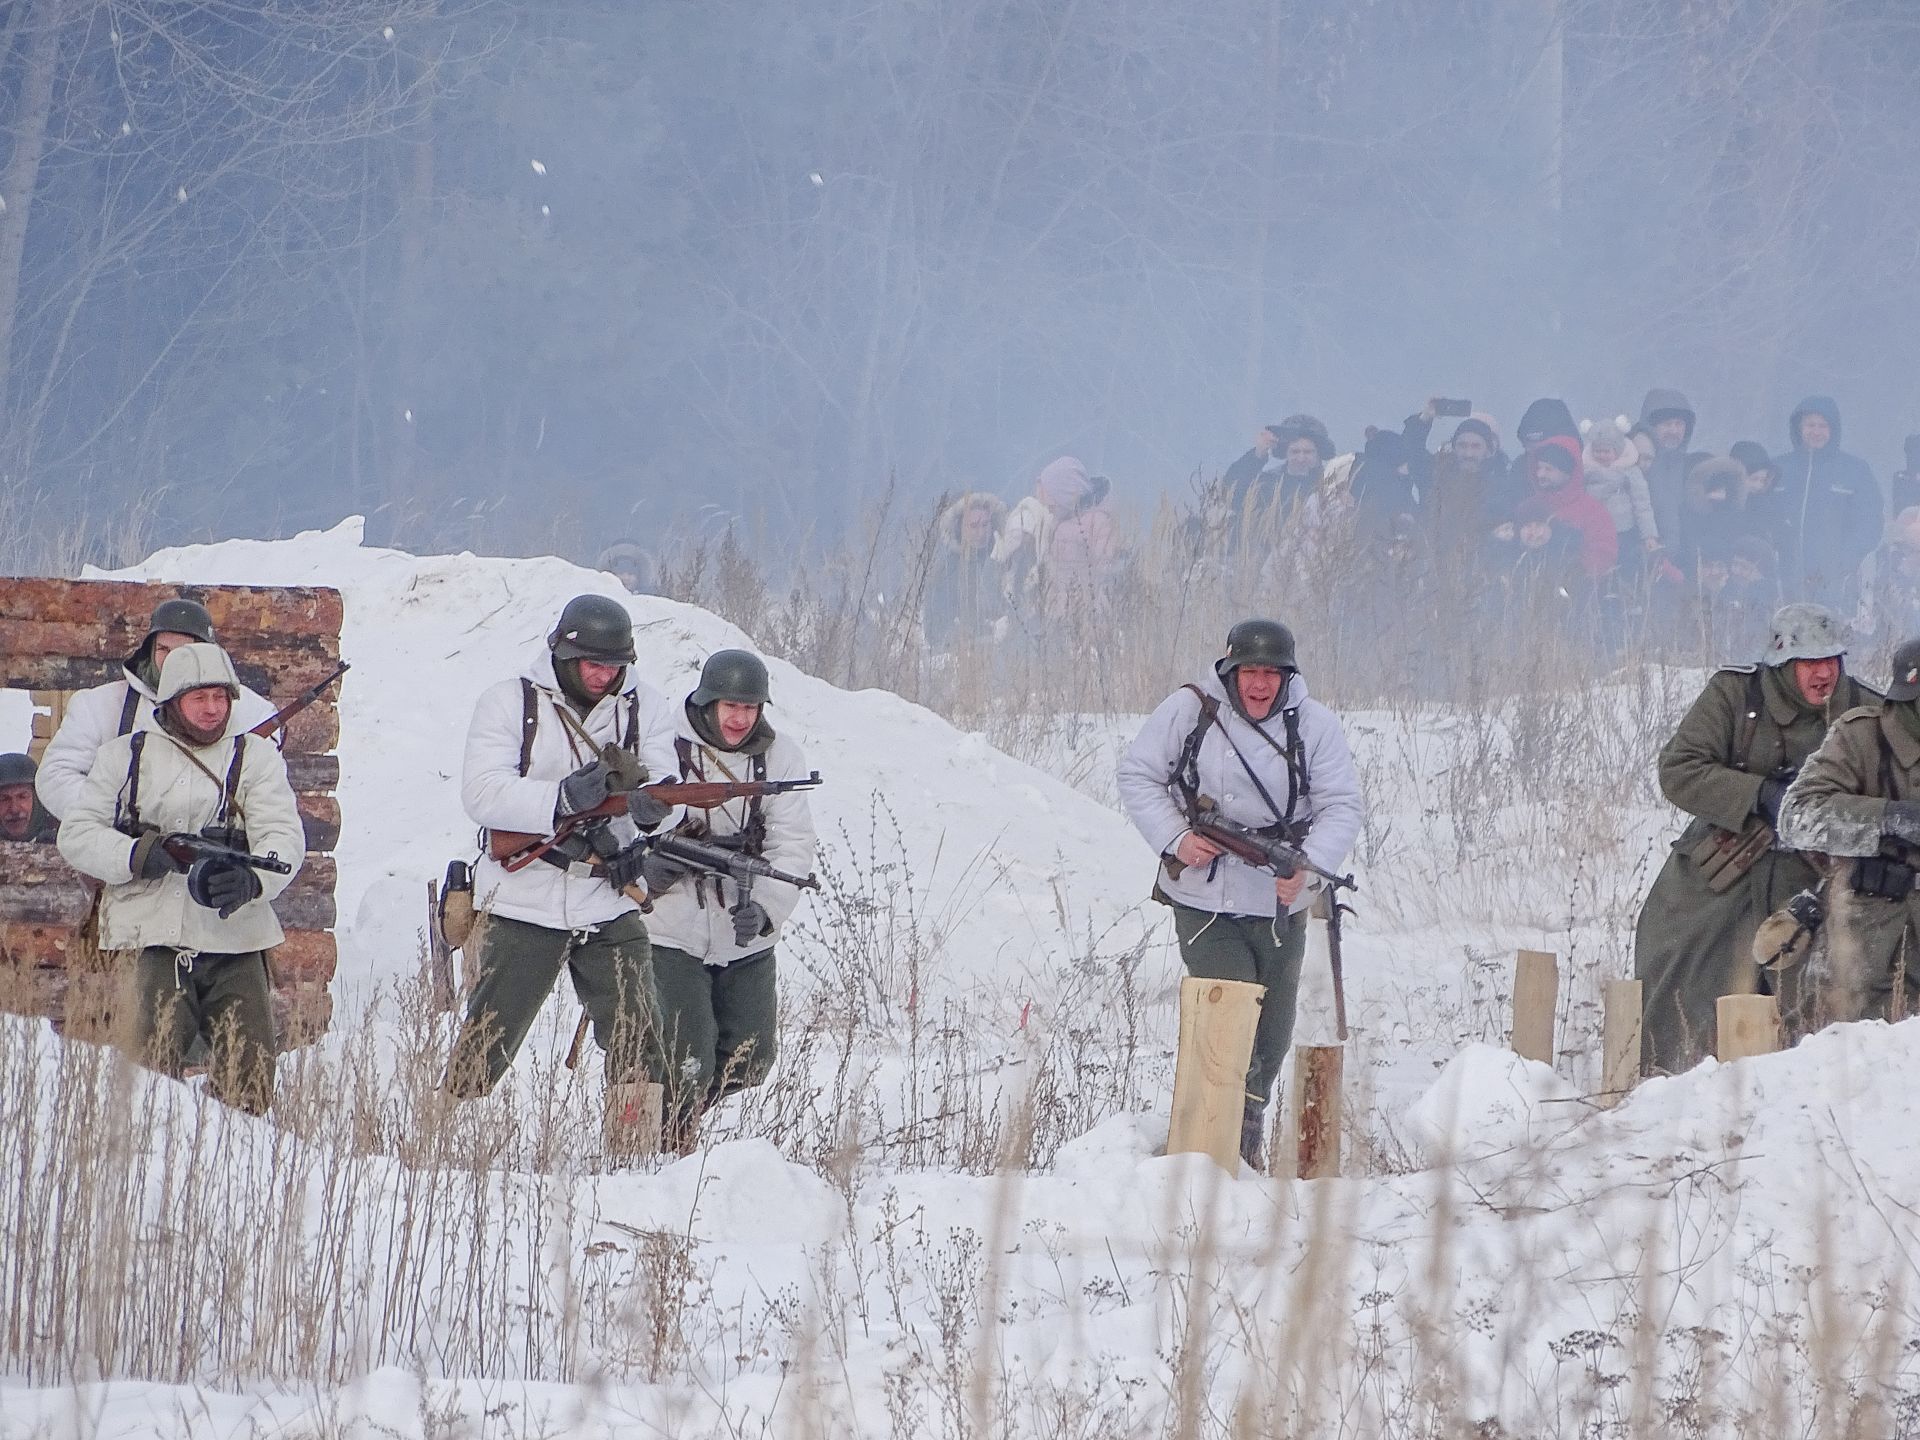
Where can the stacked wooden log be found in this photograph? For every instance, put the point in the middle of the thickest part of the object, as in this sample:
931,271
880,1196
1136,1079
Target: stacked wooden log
59,636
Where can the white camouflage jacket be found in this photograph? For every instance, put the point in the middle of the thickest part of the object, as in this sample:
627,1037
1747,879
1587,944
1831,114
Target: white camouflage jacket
496,795
93,718
691,914
178,795
1332,804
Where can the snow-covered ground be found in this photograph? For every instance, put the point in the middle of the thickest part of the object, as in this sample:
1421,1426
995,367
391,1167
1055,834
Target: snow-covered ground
983,977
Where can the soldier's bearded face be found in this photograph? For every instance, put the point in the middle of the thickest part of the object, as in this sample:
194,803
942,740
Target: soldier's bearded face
16,812
1259,687
1470,449
1817,679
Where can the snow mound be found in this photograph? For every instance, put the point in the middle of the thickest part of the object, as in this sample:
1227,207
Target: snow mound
1488,1101
981,847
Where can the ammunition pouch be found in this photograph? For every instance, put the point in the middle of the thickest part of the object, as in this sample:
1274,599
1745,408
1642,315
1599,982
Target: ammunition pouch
1881,877
1724,856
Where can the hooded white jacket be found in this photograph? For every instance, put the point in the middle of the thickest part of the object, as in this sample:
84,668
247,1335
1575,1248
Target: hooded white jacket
93,718
498,797
181,787
1333,803
691,914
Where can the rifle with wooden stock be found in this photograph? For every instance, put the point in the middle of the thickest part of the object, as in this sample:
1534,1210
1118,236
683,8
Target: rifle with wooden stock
278,720
516,849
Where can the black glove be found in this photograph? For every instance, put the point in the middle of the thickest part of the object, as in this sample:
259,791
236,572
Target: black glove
150,861
628,866
750,922
1772,792
659,872
585,788
1902,821
625,770
222,885
646,811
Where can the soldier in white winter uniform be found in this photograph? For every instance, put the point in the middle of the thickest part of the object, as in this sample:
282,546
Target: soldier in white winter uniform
573,730
122,706
1248,739
201,928
713,960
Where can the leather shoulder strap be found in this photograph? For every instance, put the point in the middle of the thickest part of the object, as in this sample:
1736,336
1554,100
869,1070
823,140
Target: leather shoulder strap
128,709
529,723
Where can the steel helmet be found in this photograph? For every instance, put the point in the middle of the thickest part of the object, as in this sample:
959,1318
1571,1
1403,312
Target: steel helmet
1805,631
736,675
1257,642
593,627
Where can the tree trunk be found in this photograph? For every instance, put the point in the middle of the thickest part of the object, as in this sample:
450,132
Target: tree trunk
41,62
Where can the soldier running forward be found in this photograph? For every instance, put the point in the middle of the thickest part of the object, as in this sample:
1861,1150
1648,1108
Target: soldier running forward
122,706
166,819
1248,741
1729,765
713,967
575,729
1857,803
22,817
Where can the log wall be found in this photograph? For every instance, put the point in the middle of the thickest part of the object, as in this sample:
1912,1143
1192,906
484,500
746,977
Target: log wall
58,636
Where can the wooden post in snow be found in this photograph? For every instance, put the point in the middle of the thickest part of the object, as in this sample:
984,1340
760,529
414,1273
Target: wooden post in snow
1217,1019
1746,1025
1316,1110
1536,986
1620,1041
633,1119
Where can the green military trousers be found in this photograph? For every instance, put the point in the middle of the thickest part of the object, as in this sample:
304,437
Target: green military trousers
180,997
718,1027
518,963
1266,952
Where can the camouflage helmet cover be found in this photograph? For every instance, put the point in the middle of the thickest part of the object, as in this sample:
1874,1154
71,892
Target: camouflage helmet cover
1804,631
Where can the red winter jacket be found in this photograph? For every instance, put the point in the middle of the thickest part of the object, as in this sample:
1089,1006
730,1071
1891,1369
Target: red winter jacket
1573,506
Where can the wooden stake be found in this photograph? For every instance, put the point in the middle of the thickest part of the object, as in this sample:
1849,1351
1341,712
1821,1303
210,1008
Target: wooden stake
1747,1025
1217,1020
633,1119
1316,1110
1620,1041
1536,985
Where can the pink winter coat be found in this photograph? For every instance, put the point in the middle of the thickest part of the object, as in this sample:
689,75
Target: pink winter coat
1572,505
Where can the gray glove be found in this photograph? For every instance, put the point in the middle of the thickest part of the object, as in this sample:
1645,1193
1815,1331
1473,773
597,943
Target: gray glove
150,861
750,922
645,810
659,872
1772,792
1902,821
583,789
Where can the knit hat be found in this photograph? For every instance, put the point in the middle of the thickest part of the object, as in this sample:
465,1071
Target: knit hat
1544,418
1752,456
1609,434
1560,452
